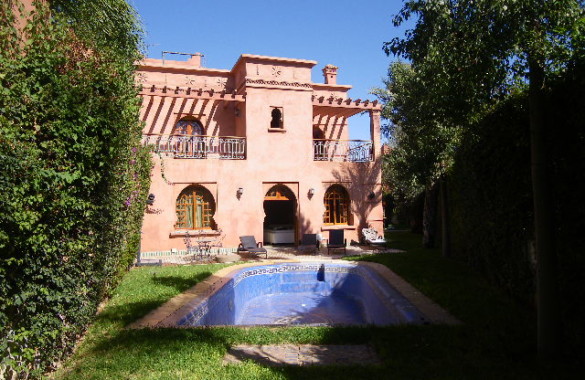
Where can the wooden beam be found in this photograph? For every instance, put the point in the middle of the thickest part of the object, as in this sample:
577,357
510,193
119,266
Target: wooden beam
190,93
357,104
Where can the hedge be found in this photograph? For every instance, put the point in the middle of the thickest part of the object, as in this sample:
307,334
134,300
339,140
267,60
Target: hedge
491,198
73,177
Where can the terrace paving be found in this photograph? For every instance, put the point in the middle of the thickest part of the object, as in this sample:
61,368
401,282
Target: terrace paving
275,252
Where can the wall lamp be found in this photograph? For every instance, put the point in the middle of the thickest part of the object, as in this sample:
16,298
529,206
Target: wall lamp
150,199
311,192
239,192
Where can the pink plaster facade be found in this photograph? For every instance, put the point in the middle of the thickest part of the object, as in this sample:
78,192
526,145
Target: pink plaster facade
22,12
241,148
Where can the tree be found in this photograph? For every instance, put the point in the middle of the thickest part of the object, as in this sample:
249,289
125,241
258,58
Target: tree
423,145
471,53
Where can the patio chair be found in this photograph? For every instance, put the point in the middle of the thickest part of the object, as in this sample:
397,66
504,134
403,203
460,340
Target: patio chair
191,250
336,241
248,244
373,238
309,244
218,243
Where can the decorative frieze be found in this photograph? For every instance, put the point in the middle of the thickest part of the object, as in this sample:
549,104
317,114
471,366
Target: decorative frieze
278,83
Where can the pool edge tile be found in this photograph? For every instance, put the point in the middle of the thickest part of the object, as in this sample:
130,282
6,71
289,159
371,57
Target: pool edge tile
433,311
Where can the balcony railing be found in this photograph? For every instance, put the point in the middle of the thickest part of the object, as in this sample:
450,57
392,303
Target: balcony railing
196,146
342,150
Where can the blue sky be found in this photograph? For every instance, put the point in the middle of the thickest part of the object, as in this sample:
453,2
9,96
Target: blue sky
346,33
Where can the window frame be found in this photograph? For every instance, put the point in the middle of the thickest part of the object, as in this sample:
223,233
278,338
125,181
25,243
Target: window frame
178,129
203,208
280,127
337,198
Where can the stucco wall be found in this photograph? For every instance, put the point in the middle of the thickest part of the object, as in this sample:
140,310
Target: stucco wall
273,157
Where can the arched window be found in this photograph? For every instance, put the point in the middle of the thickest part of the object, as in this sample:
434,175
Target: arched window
188,136
336,206
195,208
189,126
276,118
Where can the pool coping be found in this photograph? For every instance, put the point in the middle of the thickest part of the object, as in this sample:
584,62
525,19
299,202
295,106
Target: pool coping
164,316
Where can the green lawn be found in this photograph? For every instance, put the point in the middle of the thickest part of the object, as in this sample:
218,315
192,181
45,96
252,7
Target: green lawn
495,341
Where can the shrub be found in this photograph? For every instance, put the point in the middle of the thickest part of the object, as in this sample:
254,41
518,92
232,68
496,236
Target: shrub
73,177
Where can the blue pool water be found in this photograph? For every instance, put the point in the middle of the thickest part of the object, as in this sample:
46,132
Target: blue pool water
303,294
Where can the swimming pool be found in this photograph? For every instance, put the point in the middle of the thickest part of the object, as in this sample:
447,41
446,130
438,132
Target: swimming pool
300,294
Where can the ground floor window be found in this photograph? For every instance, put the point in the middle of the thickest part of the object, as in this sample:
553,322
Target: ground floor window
336,206
195,208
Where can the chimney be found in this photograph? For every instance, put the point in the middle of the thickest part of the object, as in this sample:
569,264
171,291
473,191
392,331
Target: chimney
330,74
195,60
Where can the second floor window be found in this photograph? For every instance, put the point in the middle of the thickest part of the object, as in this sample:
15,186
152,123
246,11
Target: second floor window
276,118
188,126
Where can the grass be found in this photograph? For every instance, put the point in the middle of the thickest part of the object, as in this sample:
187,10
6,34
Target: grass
495,341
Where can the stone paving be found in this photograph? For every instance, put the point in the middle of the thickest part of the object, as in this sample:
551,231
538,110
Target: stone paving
281,252
302,355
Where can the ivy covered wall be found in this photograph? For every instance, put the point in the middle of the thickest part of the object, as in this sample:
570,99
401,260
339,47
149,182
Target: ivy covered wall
73,177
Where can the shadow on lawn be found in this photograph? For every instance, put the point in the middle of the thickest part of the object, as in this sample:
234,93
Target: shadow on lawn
151,343
128,312
180,283
203,349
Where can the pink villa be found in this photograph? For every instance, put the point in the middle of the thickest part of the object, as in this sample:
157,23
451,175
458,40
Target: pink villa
257,150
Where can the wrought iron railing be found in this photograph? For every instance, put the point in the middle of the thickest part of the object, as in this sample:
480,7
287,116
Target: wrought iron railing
196,146
342,150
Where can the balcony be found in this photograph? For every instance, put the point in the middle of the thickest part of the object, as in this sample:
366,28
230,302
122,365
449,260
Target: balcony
342,150
196,146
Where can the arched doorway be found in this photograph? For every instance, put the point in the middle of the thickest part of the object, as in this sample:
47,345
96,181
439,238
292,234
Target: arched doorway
318,133
280,215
